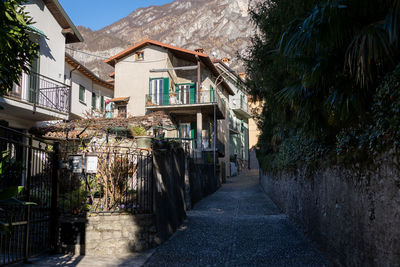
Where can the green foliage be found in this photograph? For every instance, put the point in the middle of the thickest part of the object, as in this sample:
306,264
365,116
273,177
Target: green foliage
8,195
316,65
138,131
16,49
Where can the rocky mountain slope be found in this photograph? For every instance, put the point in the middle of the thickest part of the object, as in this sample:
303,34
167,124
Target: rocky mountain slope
221,27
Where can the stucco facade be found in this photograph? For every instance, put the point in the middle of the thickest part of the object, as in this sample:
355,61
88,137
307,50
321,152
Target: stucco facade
82,79
238,114
42,95
133,79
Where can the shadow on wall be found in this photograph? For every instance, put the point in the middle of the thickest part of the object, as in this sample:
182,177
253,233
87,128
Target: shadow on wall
254,164
202,180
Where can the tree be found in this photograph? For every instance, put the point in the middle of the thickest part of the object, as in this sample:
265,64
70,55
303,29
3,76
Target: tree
16,49
318,64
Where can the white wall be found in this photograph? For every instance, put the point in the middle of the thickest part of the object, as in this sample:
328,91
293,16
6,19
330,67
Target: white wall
52,49
78,108
132,78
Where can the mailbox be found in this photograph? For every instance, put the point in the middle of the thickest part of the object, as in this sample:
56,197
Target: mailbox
91,163
75,163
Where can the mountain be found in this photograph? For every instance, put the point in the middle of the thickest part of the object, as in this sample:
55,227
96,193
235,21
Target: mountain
222,27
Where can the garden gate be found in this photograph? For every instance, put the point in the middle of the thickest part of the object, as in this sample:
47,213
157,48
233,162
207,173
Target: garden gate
29,162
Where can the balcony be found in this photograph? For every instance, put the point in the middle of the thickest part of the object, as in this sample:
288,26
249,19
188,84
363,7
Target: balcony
185,102
239,105
42,92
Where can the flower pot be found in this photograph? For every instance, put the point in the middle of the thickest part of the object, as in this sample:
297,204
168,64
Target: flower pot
143,142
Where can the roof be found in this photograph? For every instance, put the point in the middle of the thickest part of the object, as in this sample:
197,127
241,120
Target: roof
120,99
178,52
71,33
218,61
74,63
112,74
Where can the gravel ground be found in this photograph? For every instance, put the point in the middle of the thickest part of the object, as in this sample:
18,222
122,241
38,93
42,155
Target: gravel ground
237,226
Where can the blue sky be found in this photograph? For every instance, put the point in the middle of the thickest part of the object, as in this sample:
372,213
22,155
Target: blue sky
97,14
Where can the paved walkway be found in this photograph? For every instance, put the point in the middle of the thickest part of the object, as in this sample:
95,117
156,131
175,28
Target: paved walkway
237,226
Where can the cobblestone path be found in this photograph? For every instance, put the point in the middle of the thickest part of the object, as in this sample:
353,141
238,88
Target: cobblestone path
237,226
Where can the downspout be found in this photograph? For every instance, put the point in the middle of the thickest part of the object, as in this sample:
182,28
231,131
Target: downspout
70,87
198,78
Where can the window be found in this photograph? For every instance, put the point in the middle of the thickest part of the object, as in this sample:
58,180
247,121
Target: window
82,94
159,91
140,56
121,111
94,106
186,93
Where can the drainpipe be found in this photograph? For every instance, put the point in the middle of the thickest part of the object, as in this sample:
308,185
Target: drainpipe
215,140
70,88
198,78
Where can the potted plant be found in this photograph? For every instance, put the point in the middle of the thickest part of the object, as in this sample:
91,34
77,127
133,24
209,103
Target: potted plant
148,101
143,140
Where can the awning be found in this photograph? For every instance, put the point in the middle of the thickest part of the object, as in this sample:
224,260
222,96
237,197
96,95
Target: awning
35,30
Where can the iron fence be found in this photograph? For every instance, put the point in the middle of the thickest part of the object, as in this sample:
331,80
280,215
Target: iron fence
123,182
27,162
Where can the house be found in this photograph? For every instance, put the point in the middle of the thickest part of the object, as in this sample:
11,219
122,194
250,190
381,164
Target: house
238,113
42,95
90,95
152,76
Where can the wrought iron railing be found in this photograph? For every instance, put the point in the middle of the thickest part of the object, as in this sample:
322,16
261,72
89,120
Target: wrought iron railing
185,97
43,92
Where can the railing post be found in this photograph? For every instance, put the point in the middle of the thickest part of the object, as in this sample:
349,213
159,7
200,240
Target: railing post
54,197
28,198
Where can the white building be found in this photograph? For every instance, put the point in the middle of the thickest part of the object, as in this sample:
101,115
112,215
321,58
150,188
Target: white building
238,114
90,95
42,95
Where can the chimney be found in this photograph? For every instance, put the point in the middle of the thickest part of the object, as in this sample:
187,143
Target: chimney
199,50
226,60
243,75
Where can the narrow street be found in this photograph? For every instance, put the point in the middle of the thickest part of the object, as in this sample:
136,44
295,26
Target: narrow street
237,226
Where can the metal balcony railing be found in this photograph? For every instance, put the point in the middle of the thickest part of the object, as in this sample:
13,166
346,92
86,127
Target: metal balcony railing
240,103
43,92
185,97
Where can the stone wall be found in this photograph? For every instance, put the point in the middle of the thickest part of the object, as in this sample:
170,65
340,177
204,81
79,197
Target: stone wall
352,214
119,234
107,234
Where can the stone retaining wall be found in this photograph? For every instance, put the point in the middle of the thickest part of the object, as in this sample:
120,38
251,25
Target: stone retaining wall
119,234
353,214
108,234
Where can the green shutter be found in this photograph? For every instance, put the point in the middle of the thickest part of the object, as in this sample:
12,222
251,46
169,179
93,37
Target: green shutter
102,103
177,91
212,94
192,93
34,80
81,93
93,100
166,92
193,130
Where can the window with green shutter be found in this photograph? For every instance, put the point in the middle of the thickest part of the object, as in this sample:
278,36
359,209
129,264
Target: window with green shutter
94,101
82,93
212,94
102,103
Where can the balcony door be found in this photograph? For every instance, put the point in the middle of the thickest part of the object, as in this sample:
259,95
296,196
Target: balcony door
159,91
34,81
186,93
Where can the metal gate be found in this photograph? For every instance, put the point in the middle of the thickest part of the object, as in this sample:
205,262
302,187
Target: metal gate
29,162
